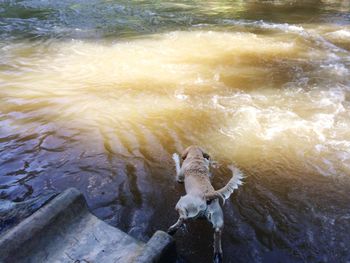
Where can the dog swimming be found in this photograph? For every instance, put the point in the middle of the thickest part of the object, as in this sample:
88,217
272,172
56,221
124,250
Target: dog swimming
201,199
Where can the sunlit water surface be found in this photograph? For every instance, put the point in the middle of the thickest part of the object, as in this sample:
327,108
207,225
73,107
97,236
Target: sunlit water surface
97,95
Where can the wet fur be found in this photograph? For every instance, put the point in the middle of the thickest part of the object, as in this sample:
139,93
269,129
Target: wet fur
201,199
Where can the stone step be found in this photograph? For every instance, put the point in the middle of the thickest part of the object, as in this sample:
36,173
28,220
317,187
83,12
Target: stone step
64,230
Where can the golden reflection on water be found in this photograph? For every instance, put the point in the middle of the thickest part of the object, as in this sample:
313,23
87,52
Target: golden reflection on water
255,99
97,95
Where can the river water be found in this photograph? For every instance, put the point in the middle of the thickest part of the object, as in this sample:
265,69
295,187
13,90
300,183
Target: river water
98,94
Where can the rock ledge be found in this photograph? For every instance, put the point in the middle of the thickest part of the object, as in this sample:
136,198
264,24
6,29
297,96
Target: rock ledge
65,231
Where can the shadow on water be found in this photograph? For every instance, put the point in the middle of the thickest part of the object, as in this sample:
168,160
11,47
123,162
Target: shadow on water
97,95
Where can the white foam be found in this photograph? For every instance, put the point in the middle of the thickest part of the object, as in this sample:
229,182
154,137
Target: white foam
336,69
285,27
181,96
342,34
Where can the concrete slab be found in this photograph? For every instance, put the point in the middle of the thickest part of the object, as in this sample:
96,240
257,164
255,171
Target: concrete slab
65,231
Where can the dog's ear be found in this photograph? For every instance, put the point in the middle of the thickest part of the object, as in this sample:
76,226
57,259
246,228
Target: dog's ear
184,153
205,155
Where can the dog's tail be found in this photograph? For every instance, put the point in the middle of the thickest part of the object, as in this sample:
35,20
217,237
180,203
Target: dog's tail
225,192
233,184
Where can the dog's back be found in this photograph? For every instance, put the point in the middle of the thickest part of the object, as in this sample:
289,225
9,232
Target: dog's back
195,168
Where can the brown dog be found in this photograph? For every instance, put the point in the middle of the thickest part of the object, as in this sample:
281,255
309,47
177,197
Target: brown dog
201,199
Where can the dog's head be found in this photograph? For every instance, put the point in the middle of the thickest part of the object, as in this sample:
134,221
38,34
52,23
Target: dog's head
193,151
189,206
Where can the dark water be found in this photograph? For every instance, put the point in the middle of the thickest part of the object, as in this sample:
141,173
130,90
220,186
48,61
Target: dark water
97,95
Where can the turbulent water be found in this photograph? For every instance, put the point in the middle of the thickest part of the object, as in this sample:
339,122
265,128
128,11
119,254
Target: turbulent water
97,95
